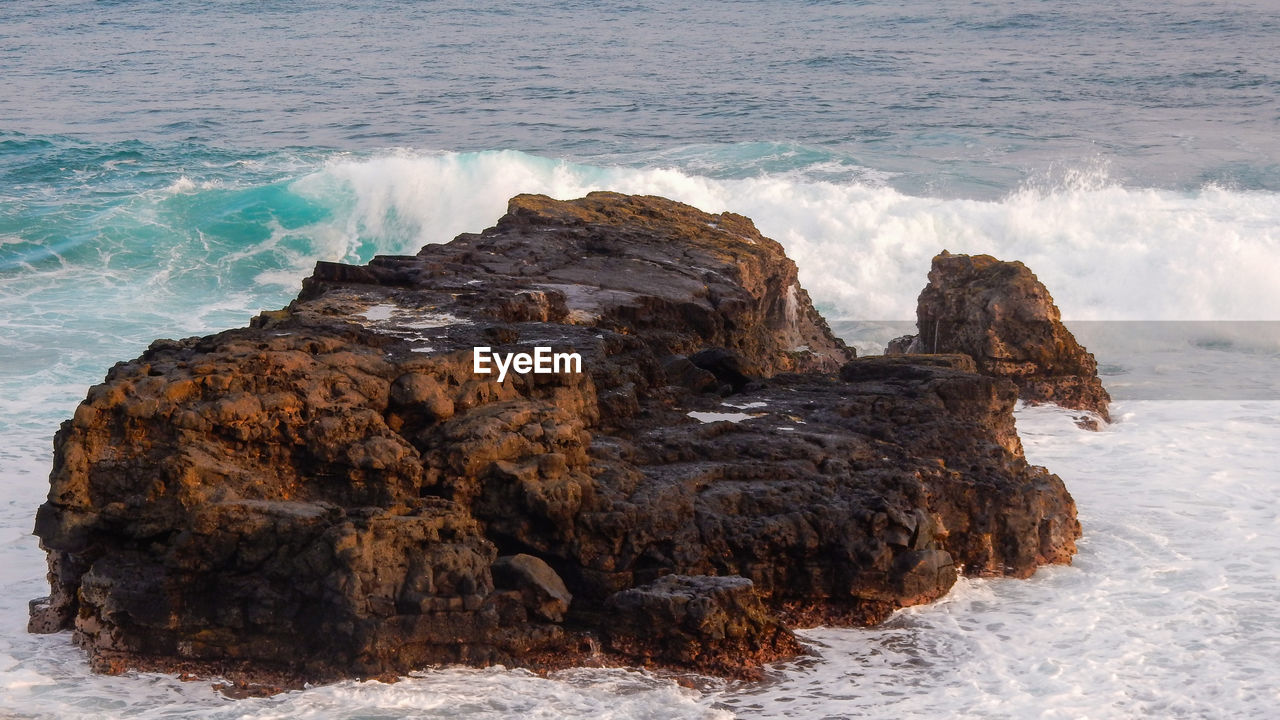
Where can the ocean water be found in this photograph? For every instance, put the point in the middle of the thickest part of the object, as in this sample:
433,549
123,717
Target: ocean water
170,169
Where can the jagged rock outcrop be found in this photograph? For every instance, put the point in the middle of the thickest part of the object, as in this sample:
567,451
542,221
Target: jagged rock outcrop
1003,317
336,491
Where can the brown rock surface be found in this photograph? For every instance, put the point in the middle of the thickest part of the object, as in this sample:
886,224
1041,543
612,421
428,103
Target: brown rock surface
712,624
1002,316
333,491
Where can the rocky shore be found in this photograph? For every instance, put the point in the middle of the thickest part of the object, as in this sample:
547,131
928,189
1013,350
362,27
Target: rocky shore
335,491
1001,315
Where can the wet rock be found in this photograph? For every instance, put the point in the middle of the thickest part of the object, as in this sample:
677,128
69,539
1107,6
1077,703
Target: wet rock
336,491
707,623
999,314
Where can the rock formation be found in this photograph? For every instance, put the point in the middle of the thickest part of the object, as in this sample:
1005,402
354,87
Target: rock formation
1003,317
335,491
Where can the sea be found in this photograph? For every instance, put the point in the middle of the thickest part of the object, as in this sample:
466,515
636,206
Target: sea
170,169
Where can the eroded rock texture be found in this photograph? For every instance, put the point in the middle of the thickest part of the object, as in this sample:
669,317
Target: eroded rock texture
333,491
1003,317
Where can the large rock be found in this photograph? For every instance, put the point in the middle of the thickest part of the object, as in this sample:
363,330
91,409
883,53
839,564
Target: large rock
335,491
1002,316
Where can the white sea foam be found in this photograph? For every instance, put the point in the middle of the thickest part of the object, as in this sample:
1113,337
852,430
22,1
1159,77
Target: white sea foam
1167,611
186,186
1107,252
490,694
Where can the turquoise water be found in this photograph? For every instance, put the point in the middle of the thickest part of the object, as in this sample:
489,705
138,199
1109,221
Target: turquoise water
170,169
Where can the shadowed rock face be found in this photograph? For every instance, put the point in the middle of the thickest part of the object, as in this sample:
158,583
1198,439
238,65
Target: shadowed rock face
1002,316
334,491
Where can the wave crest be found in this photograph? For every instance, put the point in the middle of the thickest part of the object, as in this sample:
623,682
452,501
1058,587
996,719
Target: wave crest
1107,252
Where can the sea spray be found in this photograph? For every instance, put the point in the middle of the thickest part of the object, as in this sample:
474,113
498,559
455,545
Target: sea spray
1106,251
